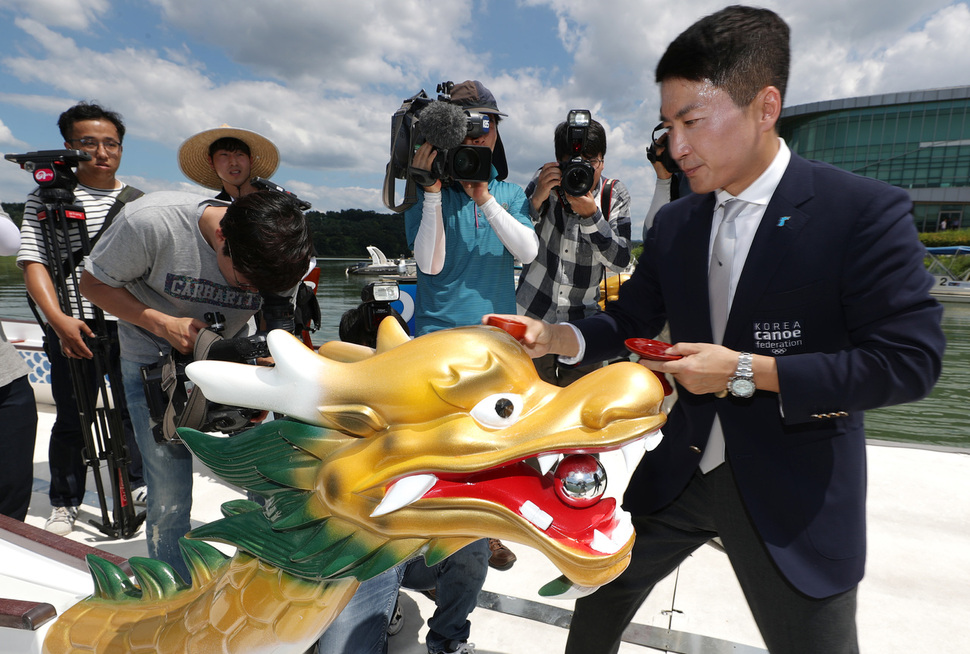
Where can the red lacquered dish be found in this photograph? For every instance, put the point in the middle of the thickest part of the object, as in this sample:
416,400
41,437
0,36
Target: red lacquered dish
651,349
513,327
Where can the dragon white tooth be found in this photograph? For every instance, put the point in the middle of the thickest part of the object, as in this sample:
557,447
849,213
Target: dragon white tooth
631,453
624,529
652,440
547,462
604,544
403,492
535,515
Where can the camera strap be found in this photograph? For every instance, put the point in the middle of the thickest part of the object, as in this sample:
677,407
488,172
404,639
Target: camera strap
410,192
606,199
193,413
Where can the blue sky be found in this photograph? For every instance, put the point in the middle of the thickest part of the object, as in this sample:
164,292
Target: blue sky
321,78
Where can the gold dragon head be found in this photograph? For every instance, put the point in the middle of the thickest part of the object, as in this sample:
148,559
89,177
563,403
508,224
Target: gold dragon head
434,442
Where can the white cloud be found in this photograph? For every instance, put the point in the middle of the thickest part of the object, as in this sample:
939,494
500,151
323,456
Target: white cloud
70,14
331,44
7,137
321,78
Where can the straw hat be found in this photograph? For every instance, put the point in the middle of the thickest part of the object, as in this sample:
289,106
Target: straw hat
194,155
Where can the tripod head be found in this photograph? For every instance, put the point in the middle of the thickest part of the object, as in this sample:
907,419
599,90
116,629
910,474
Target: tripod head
52,170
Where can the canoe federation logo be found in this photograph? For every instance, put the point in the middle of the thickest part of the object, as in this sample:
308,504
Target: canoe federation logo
777,337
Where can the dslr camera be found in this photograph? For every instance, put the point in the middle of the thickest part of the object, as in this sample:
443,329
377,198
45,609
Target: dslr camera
577,173
376,300
659,140
359,325
445,126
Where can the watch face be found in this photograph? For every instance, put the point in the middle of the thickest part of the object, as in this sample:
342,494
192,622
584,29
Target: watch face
741,387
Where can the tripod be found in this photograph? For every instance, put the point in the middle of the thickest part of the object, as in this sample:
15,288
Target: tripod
100,417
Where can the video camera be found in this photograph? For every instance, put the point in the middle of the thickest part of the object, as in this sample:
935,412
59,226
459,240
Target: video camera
577,173
445,126
266,185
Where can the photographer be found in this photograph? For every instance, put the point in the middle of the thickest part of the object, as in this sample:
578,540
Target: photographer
466,235
168,260
671,183
98,132
579,237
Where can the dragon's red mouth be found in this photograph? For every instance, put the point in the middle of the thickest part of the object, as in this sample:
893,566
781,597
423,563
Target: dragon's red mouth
597,530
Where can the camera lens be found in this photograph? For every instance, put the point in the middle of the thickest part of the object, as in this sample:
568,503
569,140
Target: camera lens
466,162
577,177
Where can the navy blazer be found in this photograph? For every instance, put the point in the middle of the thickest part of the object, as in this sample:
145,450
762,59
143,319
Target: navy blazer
834,286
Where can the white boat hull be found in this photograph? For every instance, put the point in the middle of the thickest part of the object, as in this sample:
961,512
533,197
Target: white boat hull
28,338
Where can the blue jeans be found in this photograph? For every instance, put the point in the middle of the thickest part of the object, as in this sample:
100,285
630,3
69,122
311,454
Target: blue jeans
456,581
168,475
362,626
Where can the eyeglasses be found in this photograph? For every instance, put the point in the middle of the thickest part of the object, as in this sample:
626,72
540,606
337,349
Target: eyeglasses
595,162
235,276
660,132
89,144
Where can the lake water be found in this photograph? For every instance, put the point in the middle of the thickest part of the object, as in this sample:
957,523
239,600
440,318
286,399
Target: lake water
940,419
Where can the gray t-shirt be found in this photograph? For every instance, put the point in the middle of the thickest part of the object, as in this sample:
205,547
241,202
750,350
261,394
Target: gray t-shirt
156,250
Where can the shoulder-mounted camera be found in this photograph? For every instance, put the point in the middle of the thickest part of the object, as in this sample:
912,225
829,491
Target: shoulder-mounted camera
445,126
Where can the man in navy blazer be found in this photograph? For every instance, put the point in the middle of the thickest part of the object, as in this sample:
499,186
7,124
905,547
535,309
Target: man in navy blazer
830,315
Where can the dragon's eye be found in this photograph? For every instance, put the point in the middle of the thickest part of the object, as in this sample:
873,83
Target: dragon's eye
498,411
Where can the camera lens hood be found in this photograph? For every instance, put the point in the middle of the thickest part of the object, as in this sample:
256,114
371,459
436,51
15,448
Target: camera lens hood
577,177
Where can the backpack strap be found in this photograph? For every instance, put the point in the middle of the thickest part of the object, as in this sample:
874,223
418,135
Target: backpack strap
127,194
606,197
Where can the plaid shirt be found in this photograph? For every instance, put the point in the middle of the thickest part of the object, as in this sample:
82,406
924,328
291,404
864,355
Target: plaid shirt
563,282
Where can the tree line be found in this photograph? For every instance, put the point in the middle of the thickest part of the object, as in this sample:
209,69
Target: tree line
345,233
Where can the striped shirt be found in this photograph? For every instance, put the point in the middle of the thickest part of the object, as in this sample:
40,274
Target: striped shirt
562,283
96,204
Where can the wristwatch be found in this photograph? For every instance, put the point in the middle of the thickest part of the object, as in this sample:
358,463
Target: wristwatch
742,383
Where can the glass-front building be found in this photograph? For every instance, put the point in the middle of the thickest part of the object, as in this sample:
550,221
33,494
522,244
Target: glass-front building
919,141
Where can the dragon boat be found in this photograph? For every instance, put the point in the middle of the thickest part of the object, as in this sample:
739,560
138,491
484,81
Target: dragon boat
367,472
916,595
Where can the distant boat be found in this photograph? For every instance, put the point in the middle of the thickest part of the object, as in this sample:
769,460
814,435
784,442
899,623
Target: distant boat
949,286
380,265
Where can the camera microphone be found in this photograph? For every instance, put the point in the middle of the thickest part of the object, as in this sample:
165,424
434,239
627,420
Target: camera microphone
443,125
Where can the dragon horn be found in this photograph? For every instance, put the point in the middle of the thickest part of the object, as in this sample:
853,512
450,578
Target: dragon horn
292,386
